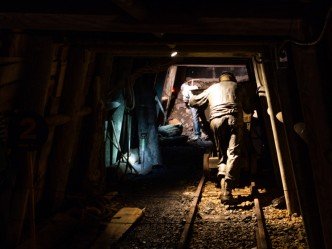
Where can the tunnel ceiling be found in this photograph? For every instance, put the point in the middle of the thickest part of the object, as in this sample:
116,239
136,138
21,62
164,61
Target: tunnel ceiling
203,28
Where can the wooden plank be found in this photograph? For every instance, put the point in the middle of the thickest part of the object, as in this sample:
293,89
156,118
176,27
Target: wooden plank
118,226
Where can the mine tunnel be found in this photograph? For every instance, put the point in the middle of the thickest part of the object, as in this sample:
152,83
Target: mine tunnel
98,148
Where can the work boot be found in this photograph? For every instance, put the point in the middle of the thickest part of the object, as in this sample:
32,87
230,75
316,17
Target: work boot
226,192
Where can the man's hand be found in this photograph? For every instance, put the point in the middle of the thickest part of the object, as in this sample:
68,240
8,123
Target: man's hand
186,92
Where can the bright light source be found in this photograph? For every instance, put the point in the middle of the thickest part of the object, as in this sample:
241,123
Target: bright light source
174,54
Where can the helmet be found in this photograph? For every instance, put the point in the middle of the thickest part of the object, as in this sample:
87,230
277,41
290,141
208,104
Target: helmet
225,76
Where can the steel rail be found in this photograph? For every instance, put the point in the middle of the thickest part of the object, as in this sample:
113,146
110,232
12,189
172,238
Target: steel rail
191,215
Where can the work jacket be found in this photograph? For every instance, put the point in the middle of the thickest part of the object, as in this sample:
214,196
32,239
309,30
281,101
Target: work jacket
223,98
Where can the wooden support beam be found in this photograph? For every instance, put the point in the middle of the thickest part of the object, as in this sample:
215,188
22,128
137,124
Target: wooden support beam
122,68
60,53
38,59
66,137
265,89
95,170
167,90
193,51
288,93
284,143
108,23
319,131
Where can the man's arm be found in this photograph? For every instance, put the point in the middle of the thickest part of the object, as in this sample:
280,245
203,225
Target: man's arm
200,99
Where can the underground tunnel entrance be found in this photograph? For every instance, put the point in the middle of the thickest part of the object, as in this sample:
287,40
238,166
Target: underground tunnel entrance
182,159
177,141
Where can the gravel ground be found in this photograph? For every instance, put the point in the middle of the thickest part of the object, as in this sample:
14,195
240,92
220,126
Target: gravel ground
166,195
166,202
223,226
284,231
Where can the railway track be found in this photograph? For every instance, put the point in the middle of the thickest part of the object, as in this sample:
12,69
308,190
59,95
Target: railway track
241,225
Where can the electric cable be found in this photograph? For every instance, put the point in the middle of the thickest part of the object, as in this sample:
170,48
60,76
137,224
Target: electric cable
311,43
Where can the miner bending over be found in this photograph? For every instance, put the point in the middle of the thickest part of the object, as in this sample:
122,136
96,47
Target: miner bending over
226,121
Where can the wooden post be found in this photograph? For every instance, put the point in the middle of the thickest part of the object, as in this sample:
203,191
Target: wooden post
319,132
291,110
168,86
284,143
61,60
33,93
30,163
66,136
122,69
95,171
261,77
266,124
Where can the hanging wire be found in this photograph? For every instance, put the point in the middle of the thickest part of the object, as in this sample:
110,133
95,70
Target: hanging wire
311,43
